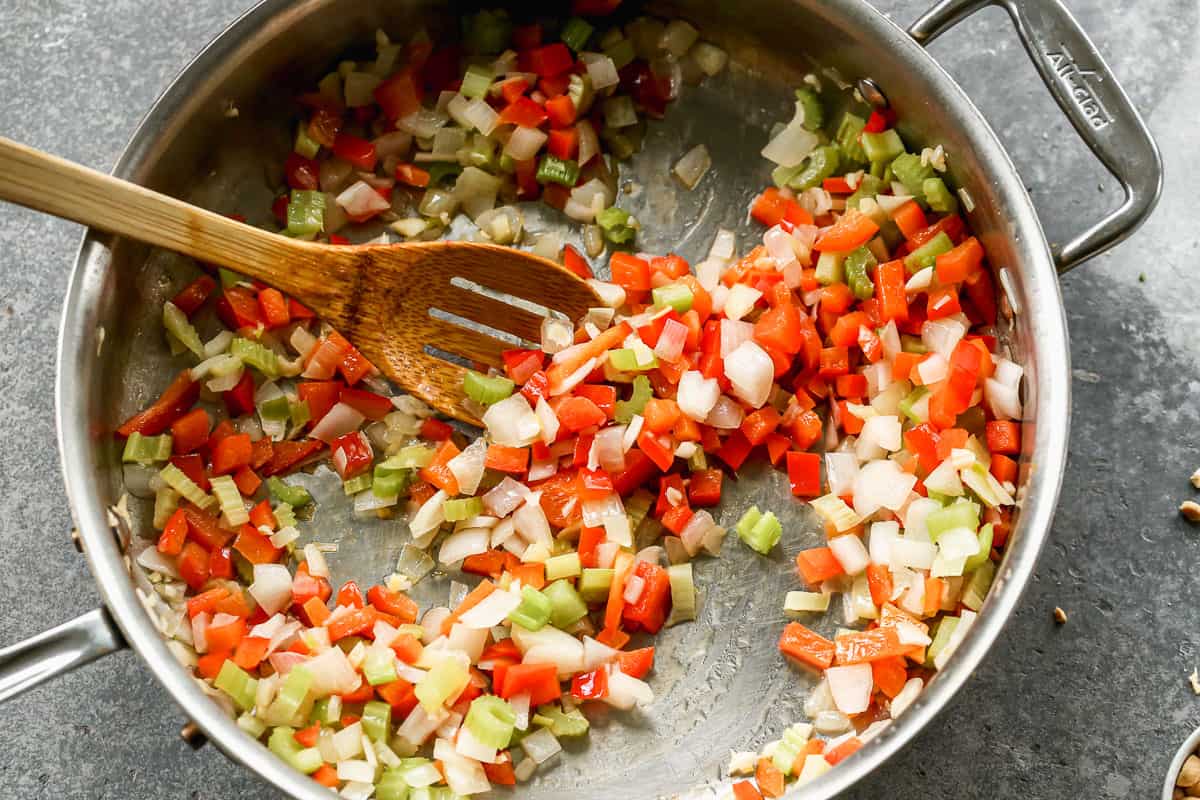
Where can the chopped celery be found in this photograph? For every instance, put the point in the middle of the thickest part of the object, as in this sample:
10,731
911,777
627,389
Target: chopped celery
277,409
625,359
379,667
576,32
637,507
552,169
571,723
986,488
829,268
256,355
283,744
925,255
909,170
676,295
487,32
847,139
359,483
306,213
882,146
462,508
940,198
616,224
941,638
491,721
814,112
238,684
230,499
440,171
985,550
912,344
173,476
300,413
781,176
389,481
534,611
822,163
166,501
305,145
564,566
910,401
477,81
962,514
284,516
621,52
229,278
325,711
444,682
487,389
979,581
594,584
683,593
251,724
868,186
294,496
759,531
146,449
291,695
377,718
627,409
391,786
859,265
582,93
415,456
698,461
176,323
566,606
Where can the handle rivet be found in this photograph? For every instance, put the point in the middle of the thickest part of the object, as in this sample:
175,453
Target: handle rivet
76,540
871,92
194,737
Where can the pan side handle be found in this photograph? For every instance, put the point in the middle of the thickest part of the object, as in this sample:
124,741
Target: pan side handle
58,650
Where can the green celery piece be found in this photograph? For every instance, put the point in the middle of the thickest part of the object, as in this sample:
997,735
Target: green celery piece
177,324
615,223
305,145
166,501
483,153
625,359
377,719
462,508
444,681
477,81
294,496
748,521
283,744
564,566
847,139
814,112
829,268
962,514
291,695
320,713
487,389
238,684
912,344
284,516
582,93
379,667
415,456
869,186
676,295
174,477
642,392
439,171
621,52
359,483
576,32
491,721
572,723
910,400
552,169
534,611
146,449
985,550
925,255
300,413
229,498
229,278
251,724
883,146
941,638
594,584
306,213
698,461
257,355
278,409
979,581
782,176
859,266
822,163
389,482
566,606
940,198
974,420
683,592
391,786
785,756
637,507
909,170
764,534
487,32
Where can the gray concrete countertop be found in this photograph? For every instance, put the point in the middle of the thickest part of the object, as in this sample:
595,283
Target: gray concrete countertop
1094,708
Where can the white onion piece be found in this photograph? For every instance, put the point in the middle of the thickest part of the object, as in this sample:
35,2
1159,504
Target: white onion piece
530,521
840,470
511,422
751,373
429,517
933,368
596,654
492,610
625,691
332,673
851,687
741,301
525,143
781,246
589,142
596,512
467,466
670,342
361,200
272,587
692,167
505,496
461,544
883,431
338,421
601,69
734,334
697,395
881,484
883,534
850,553
726,414
609,447
943,335
792,144
548,420
634,587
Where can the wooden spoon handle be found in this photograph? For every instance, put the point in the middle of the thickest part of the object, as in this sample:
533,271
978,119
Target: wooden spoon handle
47,183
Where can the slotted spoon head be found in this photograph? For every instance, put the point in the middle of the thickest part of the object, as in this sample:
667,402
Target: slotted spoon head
406,307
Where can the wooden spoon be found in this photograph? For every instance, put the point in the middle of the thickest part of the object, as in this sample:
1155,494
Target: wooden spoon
380,297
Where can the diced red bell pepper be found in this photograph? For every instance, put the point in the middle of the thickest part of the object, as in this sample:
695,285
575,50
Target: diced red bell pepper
434,430
287,455
174,534
180,396
194,295
1004,436
231,453
630,272
301,172
352,454
704,488
804,473
399,95
274,308
638,469
590,685
320,397
397,604
356,150
804,645
190,431
239,400
563,142
205,529
524,113
256,547
370,405
540,680
238,308
193,565
513,460
735,450
561,112
577,413
553,59
818,564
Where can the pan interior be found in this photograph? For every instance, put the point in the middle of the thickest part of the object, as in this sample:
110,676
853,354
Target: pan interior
719,682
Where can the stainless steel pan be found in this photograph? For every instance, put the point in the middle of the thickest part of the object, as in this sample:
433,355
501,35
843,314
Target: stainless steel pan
719,681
